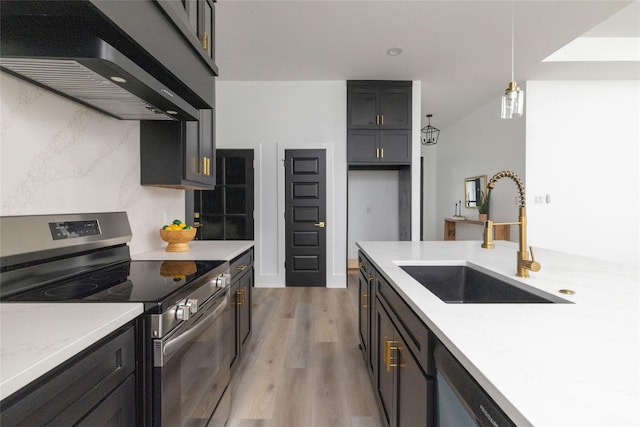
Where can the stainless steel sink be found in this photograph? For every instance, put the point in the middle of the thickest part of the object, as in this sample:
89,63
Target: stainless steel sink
457,284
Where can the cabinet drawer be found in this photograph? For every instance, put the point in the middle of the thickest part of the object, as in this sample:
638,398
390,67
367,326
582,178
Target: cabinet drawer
71,391
241,263
409,324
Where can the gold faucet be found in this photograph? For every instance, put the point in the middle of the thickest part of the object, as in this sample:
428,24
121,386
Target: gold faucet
524,264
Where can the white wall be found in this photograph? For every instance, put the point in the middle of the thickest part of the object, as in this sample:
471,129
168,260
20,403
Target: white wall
271,117
479,144
373,207
582,150
57,156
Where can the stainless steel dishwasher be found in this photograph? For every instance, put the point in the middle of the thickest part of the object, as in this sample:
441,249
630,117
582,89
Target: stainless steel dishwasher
460,400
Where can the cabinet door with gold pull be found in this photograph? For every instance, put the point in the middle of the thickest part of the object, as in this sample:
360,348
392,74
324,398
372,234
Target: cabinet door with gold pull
414,389
206,26
404,389
366,312
384,373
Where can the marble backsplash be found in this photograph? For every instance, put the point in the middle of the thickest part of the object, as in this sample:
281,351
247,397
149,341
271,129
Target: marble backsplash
57,156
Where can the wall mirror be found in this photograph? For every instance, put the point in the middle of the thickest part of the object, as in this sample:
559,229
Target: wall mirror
474,187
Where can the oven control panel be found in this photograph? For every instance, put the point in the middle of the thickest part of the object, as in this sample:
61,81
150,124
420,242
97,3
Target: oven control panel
74,229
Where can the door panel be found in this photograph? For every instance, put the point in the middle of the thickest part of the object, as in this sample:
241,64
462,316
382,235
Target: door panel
395,107
395,146
305,213
384,336
362,104
362,146
414,390
226,213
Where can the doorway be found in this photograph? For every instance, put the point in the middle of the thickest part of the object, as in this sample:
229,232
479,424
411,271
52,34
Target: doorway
305,217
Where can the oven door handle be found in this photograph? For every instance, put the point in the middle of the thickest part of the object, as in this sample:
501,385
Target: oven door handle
169,348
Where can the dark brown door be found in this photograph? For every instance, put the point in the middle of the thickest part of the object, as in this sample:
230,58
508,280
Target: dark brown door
305,217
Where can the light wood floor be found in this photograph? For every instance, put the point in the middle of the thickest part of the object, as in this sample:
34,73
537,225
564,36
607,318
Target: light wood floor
302,366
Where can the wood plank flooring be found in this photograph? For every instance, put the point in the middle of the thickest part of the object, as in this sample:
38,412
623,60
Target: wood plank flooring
302,366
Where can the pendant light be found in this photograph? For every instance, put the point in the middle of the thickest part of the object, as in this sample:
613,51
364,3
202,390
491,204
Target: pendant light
429,133
513,98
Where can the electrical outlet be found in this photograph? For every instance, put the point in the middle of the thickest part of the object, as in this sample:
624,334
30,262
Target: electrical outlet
537,199
548,198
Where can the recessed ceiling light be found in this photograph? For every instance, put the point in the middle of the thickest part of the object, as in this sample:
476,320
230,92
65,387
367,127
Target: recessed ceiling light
394,51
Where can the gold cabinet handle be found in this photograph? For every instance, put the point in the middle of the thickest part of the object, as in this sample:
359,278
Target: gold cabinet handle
241,296
363,300
204,39
241,267
362,265
392,361
370,277
377,120
382,153
205,166
382,119
386,354
377,153
320,224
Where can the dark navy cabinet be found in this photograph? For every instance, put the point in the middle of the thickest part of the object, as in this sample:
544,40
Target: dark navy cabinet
195,19
179,154
241,286
379,122
94,388
398,350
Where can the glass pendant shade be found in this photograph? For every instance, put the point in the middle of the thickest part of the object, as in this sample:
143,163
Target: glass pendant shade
512,102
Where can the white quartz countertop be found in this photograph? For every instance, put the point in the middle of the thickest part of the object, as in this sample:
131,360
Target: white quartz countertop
200,250
35,338
544,364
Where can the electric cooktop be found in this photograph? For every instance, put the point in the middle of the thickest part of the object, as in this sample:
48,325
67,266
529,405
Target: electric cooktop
149,282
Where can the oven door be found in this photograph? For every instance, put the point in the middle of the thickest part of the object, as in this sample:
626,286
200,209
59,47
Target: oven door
191,368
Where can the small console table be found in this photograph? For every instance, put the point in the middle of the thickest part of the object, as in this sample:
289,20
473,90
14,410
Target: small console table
500,232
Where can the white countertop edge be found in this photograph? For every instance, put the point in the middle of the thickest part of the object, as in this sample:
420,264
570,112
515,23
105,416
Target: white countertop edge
200,250
29,353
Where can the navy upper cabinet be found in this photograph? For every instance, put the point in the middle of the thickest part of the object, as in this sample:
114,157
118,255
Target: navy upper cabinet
379,122
196,21
379,104
178,154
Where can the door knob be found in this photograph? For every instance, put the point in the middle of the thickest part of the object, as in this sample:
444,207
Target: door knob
319,224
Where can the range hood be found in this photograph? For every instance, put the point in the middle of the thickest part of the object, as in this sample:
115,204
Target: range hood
91,71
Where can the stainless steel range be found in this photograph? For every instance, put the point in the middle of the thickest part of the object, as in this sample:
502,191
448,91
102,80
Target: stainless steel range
184,333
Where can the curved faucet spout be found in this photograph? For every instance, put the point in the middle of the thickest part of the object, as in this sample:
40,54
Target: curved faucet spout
516,179
523,264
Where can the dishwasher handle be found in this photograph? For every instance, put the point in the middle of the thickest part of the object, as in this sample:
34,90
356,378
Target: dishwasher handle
164,350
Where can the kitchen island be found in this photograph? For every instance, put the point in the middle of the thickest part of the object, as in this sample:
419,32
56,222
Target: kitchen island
543,364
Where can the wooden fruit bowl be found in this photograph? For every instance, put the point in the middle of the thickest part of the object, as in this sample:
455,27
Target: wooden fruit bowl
177,239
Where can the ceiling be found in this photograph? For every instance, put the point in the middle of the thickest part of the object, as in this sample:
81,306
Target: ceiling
460,50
